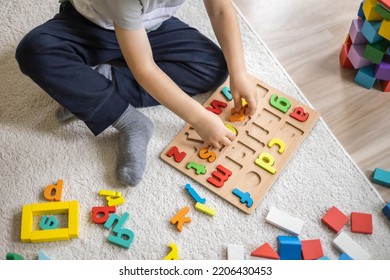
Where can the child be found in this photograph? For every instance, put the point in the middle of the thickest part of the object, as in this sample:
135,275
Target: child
101,59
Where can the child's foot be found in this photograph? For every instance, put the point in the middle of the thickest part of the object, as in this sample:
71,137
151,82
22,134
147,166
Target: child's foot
135,132
63,114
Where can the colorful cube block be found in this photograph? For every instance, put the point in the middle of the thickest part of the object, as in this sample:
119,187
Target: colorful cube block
370,30
382,71
355,32
335,219
361,222
356,56
312,249
380,9
375,52
381,177
369,10
290,248
366,76
386,210
384,29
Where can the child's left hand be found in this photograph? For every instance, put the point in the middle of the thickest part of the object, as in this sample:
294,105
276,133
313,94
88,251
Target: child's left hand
244,86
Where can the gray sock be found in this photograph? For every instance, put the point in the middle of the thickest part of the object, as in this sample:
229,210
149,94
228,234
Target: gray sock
63,114
135,132
105,70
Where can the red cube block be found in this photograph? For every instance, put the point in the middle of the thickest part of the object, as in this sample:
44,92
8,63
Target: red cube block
361,222
335,219
312,249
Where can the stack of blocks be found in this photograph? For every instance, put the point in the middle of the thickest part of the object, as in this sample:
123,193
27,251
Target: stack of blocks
366,47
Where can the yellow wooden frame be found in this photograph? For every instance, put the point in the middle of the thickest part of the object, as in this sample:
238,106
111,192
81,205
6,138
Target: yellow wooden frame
50,208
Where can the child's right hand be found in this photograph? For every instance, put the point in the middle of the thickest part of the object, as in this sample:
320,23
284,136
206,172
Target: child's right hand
212,130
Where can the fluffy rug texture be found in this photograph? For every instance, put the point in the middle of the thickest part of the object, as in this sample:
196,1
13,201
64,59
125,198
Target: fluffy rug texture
36,150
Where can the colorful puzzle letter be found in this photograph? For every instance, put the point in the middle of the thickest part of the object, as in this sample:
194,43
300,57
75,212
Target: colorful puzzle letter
124,237
53,192
180,218
173,254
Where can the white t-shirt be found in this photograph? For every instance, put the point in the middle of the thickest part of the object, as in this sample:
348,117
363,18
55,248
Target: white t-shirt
127,14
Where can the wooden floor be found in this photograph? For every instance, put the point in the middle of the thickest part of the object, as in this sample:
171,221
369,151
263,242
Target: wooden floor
306,37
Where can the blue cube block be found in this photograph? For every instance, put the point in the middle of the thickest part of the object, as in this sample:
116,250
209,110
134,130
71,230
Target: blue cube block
360,12
381,177
386,210
366,76
370,30
290,248
345,257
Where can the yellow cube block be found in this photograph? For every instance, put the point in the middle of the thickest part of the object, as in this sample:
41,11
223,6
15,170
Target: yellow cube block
384,30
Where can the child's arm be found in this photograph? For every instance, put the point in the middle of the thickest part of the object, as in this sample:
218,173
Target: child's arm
136,49
224,20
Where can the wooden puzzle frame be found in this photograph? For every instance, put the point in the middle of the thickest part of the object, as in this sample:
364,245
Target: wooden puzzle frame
244,171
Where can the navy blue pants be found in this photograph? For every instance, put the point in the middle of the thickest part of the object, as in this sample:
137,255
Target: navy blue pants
58,56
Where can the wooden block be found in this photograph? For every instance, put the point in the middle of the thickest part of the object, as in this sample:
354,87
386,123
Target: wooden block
235,252
356,56
381,177
347,245
369,10
370,31
312,249
385,86
42,256
289,248
375,52
344,60
284,221
385,3
366,76
335,219
355,32
265,251
344,257
384,30
382,71
324,258
13,257
386,211
361,222
28,234
380,9
235,166
360,13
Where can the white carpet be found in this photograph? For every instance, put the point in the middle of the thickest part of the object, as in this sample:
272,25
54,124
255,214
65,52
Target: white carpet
35,151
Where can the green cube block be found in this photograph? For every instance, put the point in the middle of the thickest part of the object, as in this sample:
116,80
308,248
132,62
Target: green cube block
375,52
382,11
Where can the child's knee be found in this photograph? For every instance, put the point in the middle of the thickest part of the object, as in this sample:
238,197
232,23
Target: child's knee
29,48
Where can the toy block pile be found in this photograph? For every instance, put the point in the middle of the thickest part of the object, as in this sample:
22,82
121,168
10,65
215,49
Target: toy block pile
366,47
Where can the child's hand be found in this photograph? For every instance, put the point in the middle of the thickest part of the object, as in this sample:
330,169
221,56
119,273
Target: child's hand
212,130
243,86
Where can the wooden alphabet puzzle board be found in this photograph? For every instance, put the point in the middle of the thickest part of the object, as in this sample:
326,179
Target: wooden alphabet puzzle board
243,172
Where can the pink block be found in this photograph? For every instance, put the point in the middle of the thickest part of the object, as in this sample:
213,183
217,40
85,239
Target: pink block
356,57
382,71
355,32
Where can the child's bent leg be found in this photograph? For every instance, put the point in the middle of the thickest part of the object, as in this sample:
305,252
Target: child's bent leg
58,56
